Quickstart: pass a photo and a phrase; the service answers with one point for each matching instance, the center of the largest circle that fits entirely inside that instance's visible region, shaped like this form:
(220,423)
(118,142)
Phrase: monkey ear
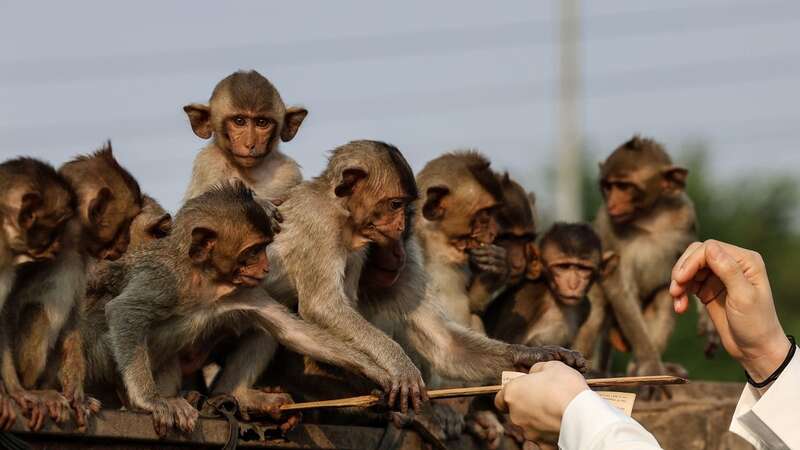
(674,179)
(434,208)
(609,263)
(291,122)
(203,241)
(200,119)
(98,205)
(160,227)
(350,178)
(534,271)
(28,204)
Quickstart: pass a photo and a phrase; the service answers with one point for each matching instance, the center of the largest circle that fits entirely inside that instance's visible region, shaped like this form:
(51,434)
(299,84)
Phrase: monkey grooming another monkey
(42,348)
(461,198)
(503,264)
(648,220)
(192,286)
(35,204)
(246,118)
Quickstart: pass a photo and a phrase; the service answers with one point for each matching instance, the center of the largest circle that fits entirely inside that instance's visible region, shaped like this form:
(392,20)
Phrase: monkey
(246,118)
(461,199)
(648,220)
(503,264)
(153,222)
(187,287)
(42,349)
(35,204)
(363,196)
(551,306)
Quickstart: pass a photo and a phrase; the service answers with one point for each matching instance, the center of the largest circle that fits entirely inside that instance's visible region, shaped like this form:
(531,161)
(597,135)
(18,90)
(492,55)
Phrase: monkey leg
(72,376)
(659,316)
(31,344)
(589,333)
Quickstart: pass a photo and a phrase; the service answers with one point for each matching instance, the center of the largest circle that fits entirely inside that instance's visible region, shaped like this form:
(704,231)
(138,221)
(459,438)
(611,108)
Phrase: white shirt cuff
(589,422)
(769,419)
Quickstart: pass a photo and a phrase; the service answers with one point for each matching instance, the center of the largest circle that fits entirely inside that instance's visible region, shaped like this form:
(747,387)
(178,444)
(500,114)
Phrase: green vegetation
(753,211)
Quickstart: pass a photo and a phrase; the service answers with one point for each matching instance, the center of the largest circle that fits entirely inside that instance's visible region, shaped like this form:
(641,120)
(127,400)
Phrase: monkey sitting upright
(42,349)
(247,118)
(648,220)
(551,307)
(35,203)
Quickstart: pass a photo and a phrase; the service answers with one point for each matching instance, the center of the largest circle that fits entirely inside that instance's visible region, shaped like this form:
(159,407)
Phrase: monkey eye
(239,121)
(262,123)
(396,204)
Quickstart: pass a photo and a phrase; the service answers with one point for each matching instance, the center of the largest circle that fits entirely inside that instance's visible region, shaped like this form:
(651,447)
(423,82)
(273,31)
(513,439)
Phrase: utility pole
(568,186)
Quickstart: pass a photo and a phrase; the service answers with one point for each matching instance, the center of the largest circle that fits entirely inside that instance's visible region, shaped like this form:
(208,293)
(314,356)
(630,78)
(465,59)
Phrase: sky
(425,76)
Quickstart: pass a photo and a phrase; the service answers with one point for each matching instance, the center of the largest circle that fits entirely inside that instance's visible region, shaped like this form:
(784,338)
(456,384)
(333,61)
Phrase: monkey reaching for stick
(42,343)
(246,118)
(35,204)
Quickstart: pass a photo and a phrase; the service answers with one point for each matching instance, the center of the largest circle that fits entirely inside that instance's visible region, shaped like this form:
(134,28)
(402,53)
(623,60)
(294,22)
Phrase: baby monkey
(552,308)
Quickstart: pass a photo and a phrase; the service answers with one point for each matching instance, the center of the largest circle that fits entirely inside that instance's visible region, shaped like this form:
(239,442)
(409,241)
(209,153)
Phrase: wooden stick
(365,401)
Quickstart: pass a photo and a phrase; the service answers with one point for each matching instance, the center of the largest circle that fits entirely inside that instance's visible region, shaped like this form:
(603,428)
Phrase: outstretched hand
(732,282)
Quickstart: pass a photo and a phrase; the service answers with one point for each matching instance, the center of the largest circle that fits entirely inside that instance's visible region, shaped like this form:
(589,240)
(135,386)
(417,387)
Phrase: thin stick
(365,401)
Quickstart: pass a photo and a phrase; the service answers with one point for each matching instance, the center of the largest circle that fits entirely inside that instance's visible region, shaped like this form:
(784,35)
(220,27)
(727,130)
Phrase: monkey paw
(267,402)
(491,259)
(171,413)
(38,405)
(647,368)
(487,427)
(8,415)
(407,387)
(84,407)
(523,357)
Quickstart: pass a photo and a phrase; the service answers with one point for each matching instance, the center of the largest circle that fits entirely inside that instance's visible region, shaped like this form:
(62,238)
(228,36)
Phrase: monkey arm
(623,295)
(306,338)
(485,288)
(131,316)
(589,332)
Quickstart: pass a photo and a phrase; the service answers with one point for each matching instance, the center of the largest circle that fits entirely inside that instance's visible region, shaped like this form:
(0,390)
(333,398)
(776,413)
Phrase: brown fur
(247,94)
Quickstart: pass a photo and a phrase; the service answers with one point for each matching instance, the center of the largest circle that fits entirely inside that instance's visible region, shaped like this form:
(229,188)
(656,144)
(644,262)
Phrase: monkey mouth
(620,217)
(571,299)
(247,280)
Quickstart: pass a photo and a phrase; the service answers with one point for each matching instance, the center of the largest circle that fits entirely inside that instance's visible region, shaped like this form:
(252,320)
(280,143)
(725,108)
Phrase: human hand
(536,402)
(732,282)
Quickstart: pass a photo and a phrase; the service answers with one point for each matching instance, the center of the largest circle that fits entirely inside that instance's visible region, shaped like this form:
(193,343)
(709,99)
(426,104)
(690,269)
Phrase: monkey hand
(8,414)
(523,357)
(82,406)
(492,259)
(38,405)
(173,412)
(647,368)
(275,217)
(405,385)
(487,427)
(440,420)
(267,401)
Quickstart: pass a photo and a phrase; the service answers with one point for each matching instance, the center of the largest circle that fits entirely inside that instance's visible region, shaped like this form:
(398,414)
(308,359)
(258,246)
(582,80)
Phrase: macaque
(246,118)
(503,264)
(648,220)
(192,286)
(153,222)
(552,306)
(35,204)
(458,214)
(42,347)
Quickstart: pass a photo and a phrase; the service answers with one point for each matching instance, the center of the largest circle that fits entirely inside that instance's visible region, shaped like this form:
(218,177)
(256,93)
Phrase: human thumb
(726,268)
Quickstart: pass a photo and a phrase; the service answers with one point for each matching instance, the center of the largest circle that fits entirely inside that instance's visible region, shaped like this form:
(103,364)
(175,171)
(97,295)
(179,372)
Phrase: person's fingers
(538,367)
(500,401)
(681,304)
(726,268)
(693,259)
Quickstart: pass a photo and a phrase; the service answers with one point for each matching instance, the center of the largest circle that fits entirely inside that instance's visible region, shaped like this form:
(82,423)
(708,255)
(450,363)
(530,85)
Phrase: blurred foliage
(753,211)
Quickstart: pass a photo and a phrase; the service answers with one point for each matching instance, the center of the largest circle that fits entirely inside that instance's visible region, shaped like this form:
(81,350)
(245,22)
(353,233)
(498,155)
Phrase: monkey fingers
(8,415)
(487,427)
(528,356)
(83,408)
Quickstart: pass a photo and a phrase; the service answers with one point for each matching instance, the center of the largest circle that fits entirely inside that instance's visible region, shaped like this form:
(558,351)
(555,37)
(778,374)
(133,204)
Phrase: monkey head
(35,205)
(108,199)
(516,227)
(461,198)
(153,222)
(636,176)
(375,185)
(225,233)
(572,260)
(246,116)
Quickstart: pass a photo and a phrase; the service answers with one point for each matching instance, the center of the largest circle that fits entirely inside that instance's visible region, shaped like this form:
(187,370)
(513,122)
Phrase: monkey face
(517,244)
(251,266)
(387,223)
(622,195)
(35,232)
(251,137)
(384,264)
(568,276)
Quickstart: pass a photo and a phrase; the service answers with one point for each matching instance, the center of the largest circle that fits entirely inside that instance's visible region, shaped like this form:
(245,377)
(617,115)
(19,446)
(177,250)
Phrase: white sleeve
(767,418)
(591,423)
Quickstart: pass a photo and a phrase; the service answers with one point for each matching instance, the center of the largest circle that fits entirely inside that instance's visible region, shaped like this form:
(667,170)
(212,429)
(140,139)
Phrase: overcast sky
(425,76)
